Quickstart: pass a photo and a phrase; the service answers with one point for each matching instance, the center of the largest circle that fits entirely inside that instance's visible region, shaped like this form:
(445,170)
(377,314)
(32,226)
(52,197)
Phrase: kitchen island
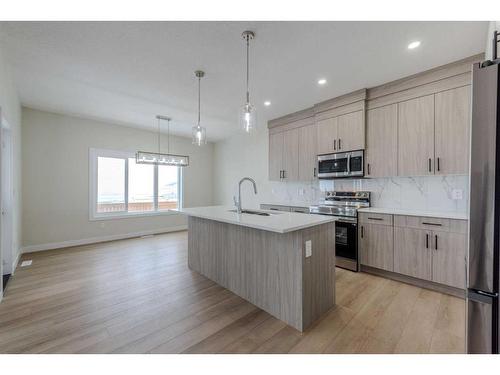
(282,262)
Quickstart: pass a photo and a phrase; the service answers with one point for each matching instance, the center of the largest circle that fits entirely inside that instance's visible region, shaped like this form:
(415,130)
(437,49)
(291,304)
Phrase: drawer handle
(435,224)
(362,232)
(375,218)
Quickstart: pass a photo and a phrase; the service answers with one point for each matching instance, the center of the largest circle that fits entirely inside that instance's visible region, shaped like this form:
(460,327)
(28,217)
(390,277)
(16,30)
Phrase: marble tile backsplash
(433,193)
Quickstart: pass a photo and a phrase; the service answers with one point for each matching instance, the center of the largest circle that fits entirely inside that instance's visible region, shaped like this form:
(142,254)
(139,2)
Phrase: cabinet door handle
(284,173)
(340,144)
(435,224)
(362,231)
(430,165)
(368,168)
(314,172)
(436,239)
(335,144)
(438,165)
(427,240)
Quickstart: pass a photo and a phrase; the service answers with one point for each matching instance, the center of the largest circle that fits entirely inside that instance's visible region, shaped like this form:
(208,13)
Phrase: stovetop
(342,203)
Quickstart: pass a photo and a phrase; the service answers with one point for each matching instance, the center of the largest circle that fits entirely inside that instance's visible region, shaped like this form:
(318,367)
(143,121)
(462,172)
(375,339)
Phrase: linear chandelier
(159,158)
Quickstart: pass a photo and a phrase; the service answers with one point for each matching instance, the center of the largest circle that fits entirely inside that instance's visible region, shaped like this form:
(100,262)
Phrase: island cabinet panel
(416,137)
(275,156)
(381,155)
(268,269)
(308,151)
(452,131)
(351,131)
(412,252)
(327,135)
(449,260)
(376,246)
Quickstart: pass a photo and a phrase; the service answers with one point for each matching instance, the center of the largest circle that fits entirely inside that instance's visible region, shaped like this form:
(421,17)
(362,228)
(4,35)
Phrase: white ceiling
(127,72)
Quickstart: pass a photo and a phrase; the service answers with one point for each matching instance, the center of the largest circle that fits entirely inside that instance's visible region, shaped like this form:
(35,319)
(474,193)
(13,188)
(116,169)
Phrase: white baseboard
(16,261)
(87,241)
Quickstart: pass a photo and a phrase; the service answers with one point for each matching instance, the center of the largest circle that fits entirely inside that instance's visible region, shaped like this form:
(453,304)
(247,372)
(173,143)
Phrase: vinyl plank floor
(139,296)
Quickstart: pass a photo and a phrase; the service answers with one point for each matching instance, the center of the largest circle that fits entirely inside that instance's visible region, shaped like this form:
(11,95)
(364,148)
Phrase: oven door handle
(348,163)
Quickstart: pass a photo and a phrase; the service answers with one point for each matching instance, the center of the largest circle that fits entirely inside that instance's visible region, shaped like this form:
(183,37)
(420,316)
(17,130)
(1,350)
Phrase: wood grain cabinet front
(412,252)
(449,258)
(452,131)
(376,246)
(381,153)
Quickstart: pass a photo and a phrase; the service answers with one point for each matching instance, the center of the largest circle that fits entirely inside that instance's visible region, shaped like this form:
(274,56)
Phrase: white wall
(55,178)
(11,111)
(247,155)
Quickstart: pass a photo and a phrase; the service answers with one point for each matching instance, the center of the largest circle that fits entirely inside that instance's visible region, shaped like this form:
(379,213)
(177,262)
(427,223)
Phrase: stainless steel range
(344,205)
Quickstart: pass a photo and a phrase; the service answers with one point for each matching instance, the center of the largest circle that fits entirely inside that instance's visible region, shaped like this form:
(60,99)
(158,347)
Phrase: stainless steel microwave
(341,165)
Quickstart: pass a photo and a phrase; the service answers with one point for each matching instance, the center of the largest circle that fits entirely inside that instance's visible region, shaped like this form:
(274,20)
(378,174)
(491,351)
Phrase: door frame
(6,221)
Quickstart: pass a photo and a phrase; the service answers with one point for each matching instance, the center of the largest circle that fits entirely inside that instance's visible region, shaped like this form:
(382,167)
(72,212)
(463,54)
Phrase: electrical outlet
(302,192)
(457,194)
(26,263)
(308,248)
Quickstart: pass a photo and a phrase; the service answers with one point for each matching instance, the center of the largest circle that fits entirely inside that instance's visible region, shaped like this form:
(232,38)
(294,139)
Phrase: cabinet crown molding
(341,101)
(292,117)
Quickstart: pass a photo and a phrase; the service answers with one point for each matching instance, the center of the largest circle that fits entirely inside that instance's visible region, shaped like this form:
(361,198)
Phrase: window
(121,188)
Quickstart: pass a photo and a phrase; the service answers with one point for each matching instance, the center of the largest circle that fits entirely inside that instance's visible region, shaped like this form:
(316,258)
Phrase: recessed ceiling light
(321,81)
(414,44)
(267,103)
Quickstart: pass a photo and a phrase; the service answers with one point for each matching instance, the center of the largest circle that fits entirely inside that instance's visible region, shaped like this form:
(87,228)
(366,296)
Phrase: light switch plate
(457,194)
(308,248)
(26,263)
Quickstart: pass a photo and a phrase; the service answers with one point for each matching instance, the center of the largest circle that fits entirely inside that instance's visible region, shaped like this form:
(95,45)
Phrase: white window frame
(95,153)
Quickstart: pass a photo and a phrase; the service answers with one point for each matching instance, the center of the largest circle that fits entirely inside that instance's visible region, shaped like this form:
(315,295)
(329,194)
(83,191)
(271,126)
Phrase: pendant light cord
(199,99)
(248,48)
(159,135)
(168,136)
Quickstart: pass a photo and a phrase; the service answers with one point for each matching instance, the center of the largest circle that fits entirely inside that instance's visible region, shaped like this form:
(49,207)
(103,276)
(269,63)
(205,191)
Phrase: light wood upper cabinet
(381,153)
(376,246)
(416,137)
(452,129)
(351,131)
(291,155)
(284,155)
(449,258)
(327,135)
(275,156)
(412,252)
(308,151)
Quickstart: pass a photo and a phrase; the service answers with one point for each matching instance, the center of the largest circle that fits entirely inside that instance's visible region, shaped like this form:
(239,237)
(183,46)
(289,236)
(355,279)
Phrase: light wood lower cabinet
(376,246)
(412,247)
(412,253)
(449,258)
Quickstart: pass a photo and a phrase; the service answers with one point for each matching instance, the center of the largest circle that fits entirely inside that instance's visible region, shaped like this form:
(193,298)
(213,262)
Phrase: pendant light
(199,132)
(143,157)
(248,115)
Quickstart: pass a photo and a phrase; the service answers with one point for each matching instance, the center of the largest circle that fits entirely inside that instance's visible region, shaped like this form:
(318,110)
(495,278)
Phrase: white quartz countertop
(279,222)
(408,212)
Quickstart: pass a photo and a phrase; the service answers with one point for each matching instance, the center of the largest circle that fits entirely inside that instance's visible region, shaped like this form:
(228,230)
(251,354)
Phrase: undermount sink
(252,212)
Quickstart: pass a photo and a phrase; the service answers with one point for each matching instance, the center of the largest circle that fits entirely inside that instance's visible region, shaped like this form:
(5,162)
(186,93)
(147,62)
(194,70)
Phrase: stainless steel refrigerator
(484,232)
